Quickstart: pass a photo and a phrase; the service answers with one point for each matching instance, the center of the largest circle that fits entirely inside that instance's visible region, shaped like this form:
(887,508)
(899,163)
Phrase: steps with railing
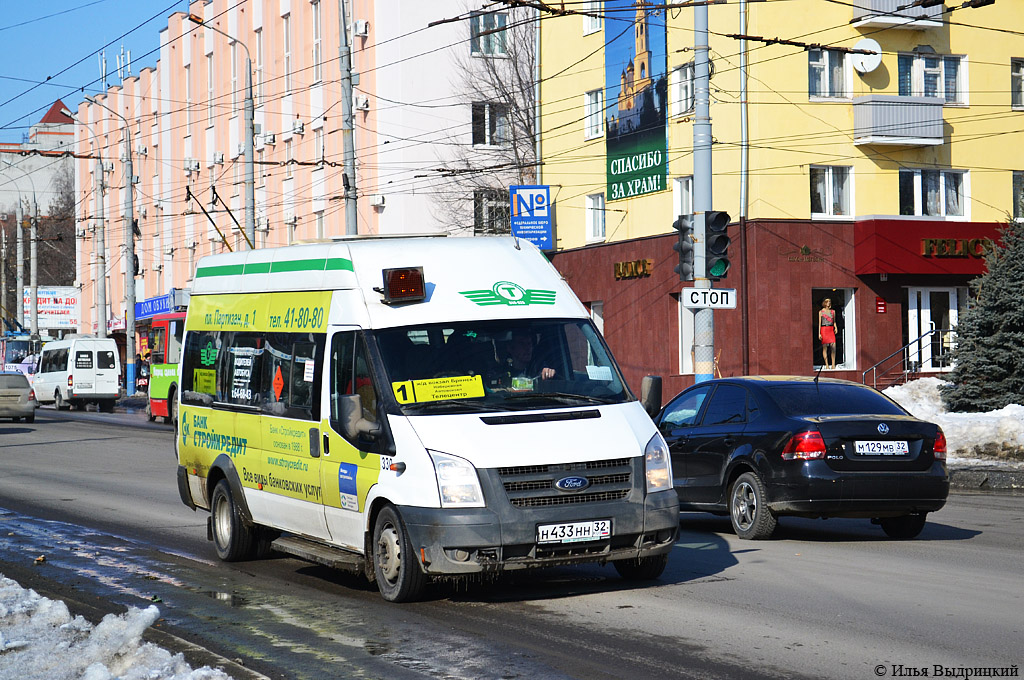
(934,347)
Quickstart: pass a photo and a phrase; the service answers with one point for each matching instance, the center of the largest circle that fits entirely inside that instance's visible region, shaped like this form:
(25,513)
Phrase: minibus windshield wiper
(447,404)
(564,397)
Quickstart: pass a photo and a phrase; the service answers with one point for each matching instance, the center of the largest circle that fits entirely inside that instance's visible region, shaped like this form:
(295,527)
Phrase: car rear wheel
(233,540)
(398,574)
(643,568)
(752,519)
(31,418)
(905,526)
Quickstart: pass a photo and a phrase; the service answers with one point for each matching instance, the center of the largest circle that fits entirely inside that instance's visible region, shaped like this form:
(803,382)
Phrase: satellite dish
(866,63)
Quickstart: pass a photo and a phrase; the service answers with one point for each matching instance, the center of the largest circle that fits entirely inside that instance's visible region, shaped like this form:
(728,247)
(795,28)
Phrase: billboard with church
(636,91)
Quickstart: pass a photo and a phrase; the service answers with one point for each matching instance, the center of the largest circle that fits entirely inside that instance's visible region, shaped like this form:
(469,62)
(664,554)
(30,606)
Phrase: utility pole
(347,124)
(129,251)
(33,277)
(704,319)
(101,298)
(20,276)
(3,271)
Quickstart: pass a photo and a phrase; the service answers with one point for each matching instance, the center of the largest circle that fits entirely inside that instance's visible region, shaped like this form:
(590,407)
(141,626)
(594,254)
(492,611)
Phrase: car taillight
(804,446)
(939,447)
(31,395)
(71,382)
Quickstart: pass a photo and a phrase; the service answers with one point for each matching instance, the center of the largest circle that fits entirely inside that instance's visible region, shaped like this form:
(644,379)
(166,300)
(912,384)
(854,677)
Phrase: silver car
(17,398)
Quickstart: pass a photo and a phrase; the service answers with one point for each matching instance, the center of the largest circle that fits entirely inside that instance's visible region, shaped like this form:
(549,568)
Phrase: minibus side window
(238,369)
(290,375)
(350,374)
(198,373)
(62,359)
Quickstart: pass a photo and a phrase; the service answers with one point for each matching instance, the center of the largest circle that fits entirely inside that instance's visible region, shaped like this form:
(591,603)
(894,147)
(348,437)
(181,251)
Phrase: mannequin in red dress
(827,333)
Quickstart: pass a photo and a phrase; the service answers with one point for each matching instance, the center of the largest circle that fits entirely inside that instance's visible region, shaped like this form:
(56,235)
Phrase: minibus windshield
(499,365)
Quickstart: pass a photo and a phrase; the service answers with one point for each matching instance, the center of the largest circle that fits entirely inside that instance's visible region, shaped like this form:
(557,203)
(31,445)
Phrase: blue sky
(42,42)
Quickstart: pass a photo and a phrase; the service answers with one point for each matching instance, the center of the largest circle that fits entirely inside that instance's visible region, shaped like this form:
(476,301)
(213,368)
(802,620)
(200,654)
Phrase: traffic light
(684,246)
(716,227)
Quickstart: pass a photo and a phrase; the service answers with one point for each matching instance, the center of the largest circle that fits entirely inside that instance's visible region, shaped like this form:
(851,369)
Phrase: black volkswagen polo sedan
(762,447)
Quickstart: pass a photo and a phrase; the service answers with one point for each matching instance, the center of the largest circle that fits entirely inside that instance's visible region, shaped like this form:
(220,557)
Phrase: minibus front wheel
(399,577)
(232,538)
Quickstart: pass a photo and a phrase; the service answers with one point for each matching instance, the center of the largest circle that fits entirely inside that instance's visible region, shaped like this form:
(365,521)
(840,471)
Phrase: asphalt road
(95,495)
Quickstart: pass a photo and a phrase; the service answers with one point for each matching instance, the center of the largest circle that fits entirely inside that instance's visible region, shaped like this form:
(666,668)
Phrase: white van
(77,371)
(414,407)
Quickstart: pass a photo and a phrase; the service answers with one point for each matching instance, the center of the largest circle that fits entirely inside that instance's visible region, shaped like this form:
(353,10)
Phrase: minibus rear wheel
(232,538)
(399,577)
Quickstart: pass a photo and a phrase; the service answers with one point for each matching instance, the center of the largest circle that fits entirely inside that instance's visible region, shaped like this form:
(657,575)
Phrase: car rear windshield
(829,399)
(13,382)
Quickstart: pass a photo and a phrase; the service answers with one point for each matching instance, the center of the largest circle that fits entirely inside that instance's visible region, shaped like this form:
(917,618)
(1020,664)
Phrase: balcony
(884,14)
(895,120)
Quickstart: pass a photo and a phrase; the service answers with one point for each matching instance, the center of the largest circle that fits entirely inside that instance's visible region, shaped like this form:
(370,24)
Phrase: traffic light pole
(704,319)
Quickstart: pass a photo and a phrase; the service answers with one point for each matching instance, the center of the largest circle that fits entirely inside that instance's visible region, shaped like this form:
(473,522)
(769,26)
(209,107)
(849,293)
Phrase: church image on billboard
(636,87)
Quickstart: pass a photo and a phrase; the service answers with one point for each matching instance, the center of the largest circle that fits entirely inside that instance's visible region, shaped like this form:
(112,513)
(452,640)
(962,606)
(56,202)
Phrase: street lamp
(129,247)
(33,266)
(250,183)
(101,238)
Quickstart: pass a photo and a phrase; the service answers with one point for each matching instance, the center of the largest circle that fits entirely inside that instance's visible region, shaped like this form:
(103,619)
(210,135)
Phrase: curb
(987,479)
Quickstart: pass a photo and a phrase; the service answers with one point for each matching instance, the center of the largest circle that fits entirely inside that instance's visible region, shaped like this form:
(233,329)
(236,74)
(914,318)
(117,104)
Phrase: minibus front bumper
(492,539)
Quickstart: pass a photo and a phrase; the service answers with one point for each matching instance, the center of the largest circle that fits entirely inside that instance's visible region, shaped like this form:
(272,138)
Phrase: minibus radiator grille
(532,486)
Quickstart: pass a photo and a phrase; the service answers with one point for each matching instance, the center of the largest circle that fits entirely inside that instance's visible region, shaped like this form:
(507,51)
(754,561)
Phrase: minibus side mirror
(650,394)
(352,421)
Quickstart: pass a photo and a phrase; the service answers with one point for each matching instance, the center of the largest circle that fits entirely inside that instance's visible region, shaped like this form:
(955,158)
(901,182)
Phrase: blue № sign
(153,306)
(530,214)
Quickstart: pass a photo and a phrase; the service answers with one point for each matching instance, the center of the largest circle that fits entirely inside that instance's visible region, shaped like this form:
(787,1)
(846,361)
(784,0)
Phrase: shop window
(843,325)
(687,350)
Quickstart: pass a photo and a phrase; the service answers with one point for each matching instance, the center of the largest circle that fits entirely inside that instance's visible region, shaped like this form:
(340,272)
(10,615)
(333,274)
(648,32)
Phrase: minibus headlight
(457,482)
(657,465)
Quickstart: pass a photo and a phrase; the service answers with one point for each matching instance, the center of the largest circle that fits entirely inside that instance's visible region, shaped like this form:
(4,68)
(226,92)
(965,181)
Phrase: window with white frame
(319,223)
(318,143)
(487,34)
(286,28)
(317,49)
(490,212)
(591,10)
(597,314)
(289,156)
(687,348)
(594,110)
(1018,195)
(682,195)
(830,190)
(682,82)
(1017,83)
(940,193)
(490,124)
(595,217)
(827,74)
(932,75)
(260,171)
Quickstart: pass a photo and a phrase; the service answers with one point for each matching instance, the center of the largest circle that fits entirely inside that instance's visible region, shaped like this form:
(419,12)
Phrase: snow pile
(970,437)
(40,639)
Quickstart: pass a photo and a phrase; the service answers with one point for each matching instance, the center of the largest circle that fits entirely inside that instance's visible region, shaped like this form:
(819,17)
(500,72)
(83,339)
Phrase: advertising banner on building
(636,91)
(57,306)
